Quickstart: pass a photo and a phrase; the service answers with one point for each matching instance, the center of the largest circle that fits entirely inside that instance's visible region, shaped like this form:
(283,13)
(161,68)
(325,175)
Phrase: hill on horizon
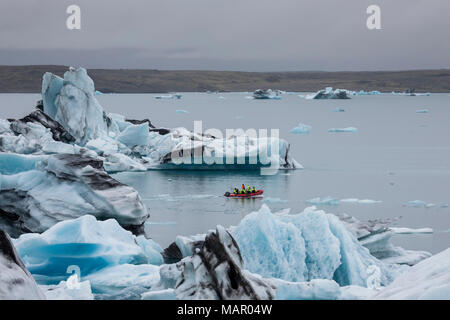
(28,79)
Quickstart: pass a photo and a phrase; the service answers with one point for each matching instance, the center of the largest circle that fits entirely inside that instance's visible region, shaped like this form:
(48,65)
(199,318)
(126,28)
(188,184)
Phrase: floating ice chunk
(72,289)
(323,201)
(400,230)
(301,128)
(85,242)
(169,96)
(329,93)
(181,111)
(98,93)
(338,109)
(135,135)
(427,280)
(274,200)
(420,204)
(268,94)
(422,111)
(360,201)
(309,245)
(347,129)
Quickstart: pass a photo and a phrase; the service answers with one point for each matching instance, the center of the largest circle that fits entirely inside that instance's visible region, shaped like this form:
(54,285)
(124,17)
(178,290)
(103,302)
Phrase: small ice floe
(222,97)
(301,96)
(422,111)
(97,93)
(444,205)
(301,128)
(169,96)
(239,117)
(401,230)
(360,201)
(420,204)
(329,201)
(274,200)
(181,111)
(338,109)
(348,129)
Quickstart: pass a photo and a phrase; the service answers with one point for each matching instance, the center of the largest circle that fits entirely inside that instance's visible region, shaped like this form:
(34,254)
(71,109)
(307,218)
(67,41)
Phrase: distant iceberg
(329,93)
(347,129)
(301,128)
(266,94)
(170,96)
(422,111)
(338,109)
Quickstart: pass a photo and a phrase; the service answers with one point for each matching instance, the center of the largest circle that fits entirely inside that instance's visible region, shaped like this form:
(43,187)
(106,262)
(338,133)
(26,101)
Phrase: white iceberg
(267,94)
(347,129)
(301,128)
(403,230)
(422,111)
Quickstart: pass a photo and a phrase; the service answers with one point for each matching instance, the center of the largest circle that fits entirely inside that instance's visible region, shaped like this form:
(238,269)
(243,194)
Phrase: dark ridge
(29,79)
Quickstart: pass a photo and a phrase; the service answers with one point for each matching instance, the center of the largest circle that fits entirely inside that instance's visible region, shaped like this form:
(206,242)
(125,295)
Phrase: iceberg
(329,201)
(301,128)
(170,96)
(329,93)
(181,111)
(427,280)
(309,245)
(402,230)
(347,129)
(422,111)
(40,191)
(338,109)
(420,204)
(267,94)
(77,110)
(16,283)
(89,244)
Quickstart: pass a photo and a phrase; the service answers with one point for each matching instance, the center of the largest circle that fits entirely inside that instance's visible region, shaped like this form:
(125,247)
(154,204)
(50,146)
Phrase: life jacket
(249,190)
(235,191)
(242,191)
(254,190)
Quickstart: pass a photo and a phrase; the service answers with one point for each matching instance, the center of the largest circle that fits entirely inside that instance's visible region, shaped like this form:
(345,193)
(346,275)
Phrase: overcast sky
(249,35)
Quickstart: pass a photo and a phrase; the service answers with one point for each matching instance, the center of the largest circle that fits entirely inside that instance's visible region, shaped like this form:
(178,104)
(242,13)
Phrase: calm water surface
(396,156)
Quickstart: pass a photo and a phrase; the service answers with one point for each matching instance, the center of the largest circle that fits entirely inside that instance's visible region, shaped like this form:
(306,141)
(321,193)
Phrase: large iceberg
(119,141)
(305,246)
(88,245)
(15,280)
(39,191)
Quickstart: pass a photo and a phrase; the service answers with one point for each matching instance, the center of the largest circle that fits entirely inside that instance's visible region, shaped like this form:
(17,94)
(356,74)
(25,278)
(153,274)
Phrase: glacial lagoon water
(396,156)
